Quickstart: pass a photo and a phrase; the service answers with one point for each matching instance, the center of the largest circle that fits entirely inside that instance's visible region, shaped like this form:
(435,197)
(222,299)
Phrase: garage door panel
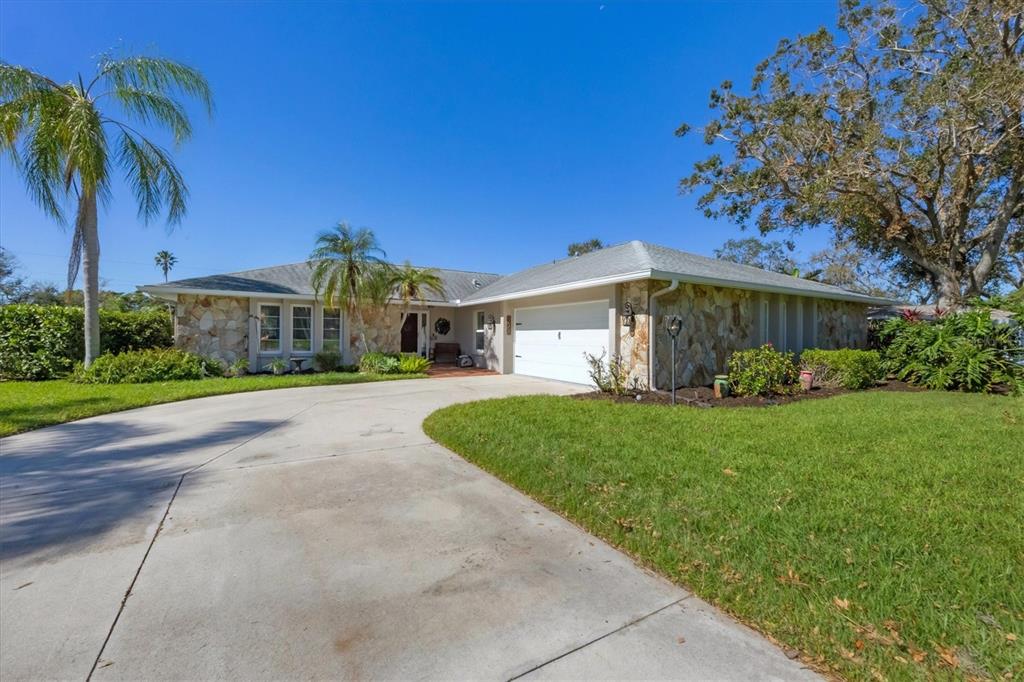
(550,342)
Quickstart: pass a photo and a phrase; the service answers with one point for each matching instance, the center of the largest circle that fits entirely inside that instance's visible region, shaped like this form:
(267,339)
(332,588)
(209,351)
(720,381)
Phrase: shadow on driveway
(63,487)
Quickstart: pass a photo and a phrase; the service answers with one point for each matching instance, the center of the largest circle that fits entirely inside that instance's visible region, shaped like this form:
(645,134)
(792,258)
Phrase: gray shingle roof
(293,280)
(650,260)
(632,260)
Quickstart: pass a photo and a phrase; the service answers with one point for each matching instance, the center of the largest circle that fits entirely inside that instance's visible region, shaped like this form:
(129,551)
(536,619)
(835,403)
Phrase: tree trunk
(90,274)
(948,288)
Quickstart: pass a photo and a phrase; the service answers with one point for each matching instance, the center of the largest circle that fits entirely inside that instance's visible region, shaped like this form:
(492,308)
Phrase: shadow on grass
(63,488)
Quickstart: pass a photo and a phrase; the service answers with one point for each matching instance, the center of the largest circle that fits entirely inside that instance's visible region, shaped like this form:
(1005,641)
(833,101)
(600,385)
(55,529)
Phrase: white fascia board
(158,291)
(558,288)
(263,295)
(733,284)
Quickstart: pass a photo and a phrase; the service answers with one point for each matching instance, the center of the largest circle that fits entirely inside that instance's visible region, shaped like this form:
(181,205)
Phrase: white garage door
(550,341)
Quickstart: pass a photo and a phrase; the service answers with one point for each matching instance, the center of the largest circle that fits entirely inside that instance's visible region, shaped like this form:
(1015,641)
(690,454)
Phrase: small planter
(721,386)
(806,380)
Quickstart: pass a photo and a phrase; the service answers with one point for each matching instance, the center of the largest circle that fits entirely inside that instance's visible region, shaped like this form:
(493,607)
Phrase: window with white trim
(302,328)
(479,335)
(332,330)
(270,328)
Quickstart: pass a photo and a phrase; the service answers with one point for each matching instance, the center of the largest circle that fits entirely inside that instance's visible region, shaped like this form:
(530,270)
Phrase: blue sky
(473,136)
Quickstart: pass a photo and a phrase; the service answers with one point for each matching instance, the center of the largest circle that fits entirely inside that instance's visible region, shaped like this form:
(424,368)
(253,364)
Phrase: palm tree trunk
(90,274)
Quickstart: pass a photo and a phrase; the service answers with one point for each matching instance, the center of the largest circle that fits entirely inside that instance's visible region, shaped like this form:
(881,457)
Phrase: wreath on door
(442,326)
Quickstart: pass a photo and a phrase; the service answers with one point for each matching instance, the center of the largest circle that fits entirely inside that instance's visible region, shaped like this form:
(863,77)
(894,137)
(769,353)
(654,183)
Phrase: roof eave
(156,290)
(159,290)
(772,289)
(558,288)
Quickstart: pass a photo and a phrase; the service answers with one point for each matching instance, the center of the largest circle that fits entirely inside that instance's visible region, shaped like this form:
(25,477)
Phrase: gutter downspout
(652,375)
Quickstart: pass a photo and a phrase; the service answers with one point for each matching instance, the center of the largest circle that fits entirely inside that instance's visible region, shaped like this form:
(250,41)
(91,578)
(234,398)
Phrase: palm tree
(65,150)
(348,271)
(412,284)
(165,260)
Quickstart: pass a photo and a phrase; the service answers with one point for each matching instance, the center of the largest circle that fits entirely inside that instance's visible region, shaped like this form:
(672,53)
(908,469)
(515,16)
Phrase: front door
(410,329)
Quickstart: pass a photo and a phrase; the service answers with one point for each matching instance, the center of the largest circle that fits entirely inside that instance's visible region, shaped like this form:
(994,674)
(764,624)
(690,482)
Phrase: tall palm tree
(412,284)
(165,260)
(66,150)
(347,269)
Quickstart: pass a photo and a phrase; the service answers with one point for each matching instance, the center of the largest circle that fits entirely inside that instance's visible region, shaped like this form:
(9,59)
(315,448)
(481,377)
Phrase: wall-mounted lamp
(629,317)
(673,325)
(490,322)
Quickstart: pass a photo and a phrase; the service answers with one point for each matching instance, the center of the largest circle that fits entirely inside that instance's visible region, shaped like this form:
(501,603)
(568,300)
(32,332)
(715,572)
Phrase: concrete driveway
(318,533)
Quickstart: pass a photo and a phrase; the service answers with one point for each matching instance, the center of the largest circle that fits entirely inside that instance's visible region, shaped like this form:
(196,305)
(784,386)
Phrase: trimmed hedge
(146,366)
(761,371)
(844,368)
(43,342)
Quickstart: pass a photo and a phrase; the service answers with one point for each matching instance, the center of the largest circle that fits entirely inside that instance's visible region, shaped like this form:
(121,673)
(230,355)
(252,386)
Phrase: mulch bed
(704,397)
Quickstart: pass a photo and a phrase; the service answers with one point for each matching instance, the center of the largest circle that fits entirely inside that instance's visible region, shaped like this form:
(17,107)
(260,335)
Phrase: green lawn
(879,533)
(26,405)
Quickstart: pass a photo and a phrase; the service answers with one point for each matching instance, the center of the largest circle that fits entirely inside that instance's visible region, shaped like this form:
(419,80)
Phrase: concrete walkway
(318,533)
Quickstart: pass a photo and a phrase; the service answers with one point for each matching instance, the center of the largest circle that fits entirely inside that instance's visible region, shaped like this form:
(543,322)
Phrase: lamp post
(673,325)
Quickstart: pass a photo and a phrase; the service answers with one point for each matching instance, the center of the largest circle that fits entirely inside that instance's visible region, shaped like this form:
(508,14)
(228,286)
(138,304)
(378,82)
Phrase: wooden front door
(410,330)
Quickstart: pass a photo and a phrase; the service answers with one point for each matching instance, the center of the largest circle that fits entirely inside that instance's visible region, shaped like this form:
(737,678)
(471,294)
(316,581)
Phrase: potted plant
(278,366)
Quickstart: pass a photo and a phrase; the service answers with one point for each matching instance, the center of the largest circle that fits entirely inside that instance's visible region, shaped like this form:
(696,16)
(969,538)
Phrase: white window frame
(292,328)
(480,327)
(324,313)
(259,328)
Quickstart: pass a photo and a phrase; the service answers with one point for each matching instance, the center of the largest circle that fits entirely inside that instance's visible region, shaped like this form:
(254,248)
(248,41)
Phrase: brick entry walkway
(444,371)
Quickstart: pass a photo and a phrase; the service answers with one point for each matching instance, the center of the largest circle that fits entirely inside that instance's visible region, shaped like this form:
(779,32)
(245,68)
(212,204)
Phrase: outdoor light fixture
(673,325)
(490,321)
(629,316)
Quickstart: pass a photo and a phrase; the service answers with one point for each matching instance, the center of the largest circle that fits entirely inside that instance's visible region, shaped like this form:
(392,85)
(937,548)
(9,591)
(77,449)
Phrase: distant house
(929,311)
(537,322)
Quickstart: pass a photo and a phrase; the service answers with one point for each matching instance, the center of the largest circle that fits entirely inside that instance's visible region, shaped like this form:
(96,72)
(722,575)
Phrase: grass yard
(26,405)
(880,533)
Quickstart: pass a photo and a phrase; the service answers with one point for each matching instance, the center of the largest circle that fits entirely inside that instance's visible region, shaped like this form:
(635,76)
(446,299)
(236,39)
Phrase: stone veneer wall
(842,324)
(716,322)
(214,326)
(381,329)
(634,344)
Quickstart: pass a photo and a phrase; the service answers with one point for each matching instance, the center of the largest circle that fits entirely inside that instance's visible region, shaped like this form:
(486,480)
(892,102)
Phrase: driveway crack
(160,527)
(128,593)
(599,638)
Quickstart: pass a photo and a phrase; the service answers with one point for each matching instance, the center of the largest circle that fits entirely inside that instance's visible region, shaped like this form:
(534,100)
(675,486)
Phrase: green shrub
(410,363)
(845,368)
(146,366)
(239,367)
(42,342)
(327,361)
(609,377)
(761,371)
(379,363)
(961,351)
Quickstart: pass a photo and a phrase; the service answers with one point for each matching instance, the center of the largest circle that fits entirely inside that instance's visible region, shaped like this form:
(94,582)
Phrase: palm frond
(148,106)
(17,82)
(152,177)
(155,75)
(75,257)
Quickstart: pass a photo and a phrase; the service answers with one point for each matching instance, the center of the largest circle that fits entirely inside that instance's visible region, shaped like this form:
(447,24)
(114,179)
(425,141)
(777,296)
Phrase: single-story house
(537,322)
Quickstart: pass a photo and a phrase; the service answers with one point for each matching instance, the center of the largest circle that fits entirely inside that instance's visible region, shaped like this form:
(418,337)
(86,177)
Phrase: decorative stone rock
(214,326)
